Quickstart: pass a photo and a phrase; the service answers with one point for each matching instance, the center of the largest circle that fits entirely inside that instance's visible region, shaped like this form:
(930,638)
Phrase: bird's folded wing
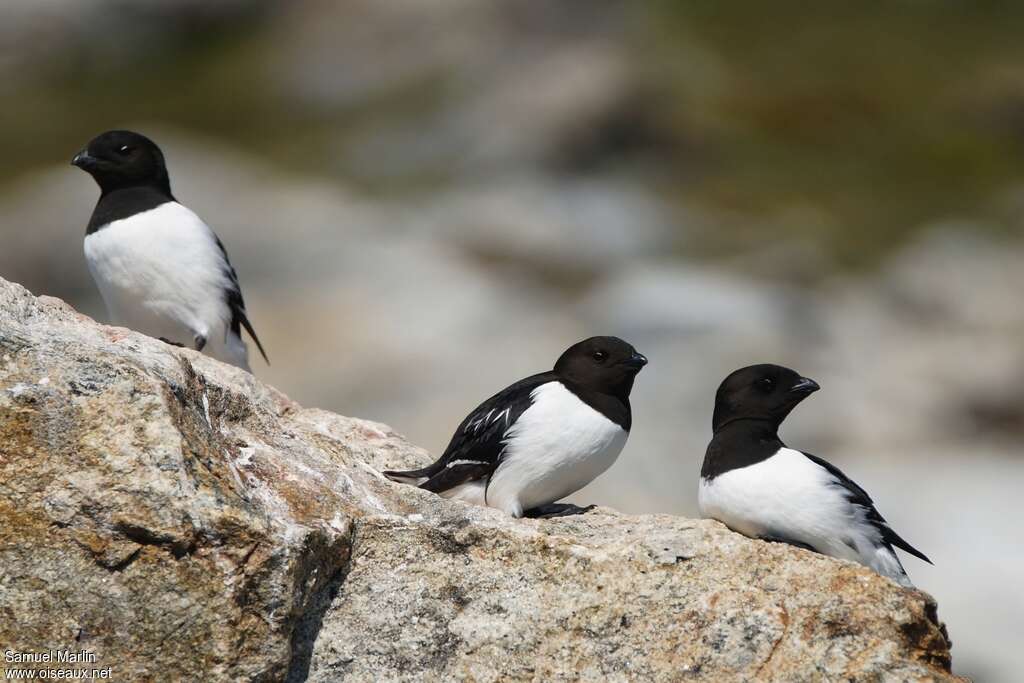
(233,295)
(476,448)
(858,496)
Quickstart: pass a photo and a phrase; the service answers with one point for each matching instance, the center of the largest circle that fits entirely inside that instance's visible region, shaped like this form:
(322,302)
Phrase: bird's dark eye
(125,150)
(766,384)
(600,356)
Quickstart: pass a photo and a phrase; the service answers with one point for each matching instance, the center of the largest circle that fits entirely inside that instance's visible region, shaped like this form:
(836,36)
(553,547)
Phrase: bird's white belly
(159,272)
(788,496)
(556,447)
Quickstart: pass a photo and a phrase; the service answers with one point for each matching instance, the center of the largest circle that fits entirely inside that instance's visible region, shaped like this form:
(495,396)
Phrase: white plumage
(161,272)
(790,496)
(472,492)
(556,447)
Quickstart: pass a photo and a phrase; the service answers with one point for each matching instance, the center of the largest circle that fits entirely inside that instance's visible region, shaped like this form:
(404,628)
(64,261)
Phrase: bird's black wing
(858,496)
(476,448)
(233,296)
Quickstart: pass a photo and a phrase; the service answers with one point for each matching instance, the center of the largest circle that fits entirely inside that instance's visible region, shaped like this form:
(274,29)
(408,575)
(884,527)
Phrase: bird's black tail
(244,321)
(412,477)
(892,538)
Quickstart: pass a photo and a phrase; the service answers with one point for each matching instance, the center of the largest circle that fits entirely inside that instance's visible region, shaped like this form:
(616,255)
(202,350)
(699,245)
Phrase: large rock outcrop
(183,521)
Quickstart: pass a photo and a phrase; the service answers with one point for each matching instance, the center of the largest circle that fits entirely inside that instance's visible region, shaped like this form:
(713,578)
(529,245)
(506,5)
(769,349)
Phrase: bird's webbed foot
(787,541)
(165,340)
(200,342)
(556,510)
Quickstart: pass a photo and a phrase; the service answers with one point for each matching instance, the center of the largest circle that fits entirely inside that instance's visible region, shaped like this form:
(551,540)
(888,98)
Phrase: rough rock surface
(183,521)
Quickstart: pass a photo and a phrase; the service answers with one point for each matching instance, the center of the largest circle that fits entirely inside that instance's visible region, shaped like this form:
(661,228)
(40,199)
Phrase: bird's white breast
(161,272)
(557,446)
(791,496)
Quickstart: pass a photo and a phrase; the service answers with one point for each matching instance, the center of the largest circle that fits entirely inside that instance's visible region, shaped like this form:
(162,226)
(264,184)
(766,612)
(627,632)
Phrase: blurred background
(428,201)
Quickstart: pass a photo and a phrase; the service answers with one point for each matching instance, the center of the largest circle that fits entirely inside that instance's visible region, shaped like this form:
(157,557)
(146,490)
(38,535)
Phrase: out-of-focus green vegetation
(856,123)
(850,125)
(213,80)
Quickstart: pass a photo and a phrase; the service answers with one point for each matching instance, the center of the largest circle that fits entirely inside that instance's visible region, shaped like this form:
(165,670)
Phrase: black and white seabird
(543,437)
(160,269)
(757,486)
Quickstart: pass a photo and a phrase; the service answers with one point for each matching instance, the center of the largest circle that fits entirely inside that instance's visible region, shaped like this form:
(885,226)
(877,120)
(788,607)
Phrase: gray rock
(569,231)
(184,521)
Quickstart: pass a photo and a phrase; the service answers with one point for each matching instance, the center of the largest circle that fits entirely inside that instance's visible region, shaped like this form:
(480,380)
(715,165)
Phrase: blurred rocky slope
(428,201)
(418,309)
(843,126)
(183,521)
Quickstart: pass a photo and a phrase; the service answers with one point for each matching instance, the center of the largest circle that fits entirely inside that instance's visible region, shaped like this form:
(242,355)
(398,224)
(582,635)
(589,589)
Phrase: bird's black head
(121,158)
(760,392)
(604,364)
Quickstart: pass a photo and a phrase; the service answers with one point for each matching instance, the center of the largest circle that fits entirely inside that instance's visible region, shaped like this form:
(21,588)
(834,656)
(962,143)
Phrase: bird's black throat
(125,202)
(740,442)
(615,406)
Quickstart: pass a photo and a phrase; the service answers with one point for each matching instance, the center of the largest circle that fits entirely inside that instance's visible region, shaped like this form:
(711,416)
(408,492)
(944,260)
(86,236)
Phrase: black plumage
(475,449)
(858,496)
(598,372)
(753,482)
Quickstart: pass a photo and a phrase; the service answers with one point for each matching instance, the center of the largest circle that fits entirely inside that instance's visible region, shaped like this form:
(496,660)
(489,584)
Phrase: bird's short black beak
(804,387)
(637,360)
(85,161)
